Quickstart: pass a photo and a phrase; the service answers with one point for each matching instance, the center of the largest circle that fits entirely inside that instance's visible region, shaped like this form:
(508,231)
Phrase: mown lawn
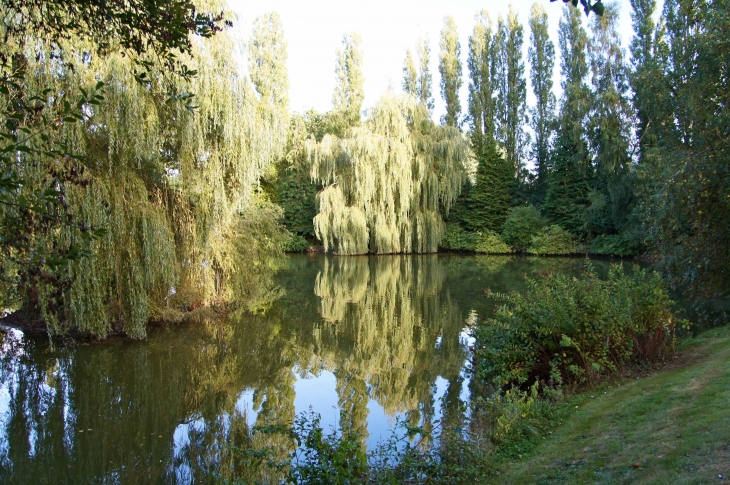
(670,427)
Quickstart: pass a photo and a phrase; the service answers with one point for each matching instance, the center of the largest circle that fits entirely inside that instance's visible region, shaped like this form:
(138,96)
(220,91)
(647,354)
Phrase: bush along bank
(567,330)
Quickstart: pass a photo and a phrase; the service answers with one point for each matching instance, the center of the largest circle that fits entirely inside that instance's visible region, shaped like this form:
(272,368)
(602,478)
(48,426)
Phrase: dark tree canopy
(588,6)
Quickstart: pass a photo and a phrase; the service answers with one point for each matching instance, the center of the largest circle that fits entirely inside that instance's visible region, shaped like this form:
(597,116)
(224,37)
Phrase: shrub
(521,225)
(457,238)
(295,244)
(489,242)
(554,240)
(616,245)
(566,329)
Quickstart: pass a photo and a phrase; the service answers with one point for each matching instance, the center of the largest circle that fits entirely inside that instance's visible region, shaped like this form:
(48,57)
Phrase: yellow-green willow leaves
(174,188)
(386,181)
(391,320)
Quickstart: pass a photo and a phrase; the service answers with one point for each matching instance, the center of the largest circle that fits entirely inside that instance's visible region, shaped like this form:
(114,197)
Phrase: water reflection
(379,337)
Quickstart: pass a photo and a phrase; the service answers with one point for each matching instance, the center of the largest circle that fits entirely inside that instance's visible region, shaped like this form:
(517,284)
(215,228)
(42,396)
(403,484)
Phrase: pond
(381,337)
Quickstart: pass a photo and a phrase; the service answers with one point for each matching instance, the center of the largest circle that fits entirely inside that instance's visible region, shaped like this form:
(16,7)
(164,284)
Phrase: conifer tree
(568,181)
(541,55)
(349,90)
(491,196)
(450,70)
(511,107)
(567,191)
(485,204)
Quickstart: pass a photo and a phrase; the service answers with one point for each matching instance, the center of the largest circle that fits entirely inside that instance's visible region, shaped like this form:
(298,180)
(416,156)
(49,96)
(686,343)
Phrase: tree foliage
(482,66)
(541,55)
(349,91)
(610,125)
(168,187)
(450,70)
(385,181)
(689,201)
(417,80)
(566,199)
(491,196)
(511,91)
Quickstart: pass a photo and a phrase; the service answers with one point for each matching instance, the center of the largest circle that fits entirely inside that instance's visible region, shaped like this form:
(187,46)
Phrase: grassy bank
(670,426)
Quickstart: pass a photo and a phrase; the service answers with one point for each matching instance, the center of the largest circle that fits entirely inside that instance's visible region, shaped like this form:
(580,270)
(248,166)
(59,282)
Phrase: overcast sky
(314,29)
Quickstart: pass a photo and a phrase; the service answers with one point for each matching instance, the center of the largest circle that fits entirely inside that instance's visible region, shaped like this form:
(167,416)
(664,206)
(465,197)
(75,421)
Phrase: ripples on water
(381,337)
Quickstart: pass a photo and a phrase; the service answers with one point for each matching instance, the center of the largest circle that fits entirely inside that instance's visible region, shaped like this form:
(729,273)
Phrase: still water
(381,337)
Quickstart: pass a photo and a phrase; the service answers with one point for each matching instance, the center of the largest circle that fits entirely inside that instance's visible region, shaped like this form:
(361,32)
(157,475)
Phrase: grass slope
(672,427)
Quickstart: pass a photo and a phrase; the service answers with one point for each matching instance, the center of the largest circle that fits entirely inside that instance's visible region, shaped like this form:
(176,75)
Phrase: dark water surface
(382,337)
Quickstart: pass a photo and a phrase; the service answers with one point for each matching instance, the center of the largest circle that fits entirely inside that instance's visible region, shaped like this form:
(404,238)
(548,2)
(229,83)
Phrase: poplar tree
(450,70)
(649,54)
(689,206)
(410,76)
(267,60)
(424,85)
(511,105)
(488,201)
(417,81)
(609,127)
(349,91)
(481,65)
(566,199)
(541,55)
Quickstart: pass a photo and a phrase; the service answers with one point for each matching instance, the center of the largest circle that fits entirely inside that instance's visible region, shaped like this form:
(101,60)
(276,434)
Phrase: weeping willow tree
(173,186)
(386,181)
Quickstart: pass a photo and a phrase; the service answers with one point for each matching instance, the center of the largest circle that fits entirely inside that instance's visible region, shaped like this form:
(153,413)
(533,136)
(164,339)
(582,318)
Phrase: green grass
(669,427)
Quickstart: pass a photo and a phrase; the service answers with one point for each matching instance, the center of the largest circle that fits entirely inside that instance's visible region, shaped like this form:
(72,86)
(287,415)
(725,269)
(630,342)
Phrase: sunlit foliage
(386,181)
(167,182)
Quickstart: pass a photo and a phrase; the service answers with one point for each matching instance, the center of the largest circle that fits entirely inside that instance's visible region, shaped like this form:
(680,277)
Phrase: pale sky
(314,29)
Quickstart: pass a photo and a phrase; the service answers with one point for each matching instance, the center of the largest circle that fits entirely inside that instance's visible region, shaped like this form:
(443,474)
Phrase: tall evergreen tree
(450,70)
(541,55)
(566,199)
(349,91)
(491,196)
(511,106)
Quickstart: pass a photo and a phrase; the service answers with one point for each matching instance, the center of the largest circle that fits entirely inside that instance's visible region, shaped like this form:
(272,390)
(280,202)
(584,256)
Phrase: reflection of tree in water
(392,327)
(161,411)
(386,326)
